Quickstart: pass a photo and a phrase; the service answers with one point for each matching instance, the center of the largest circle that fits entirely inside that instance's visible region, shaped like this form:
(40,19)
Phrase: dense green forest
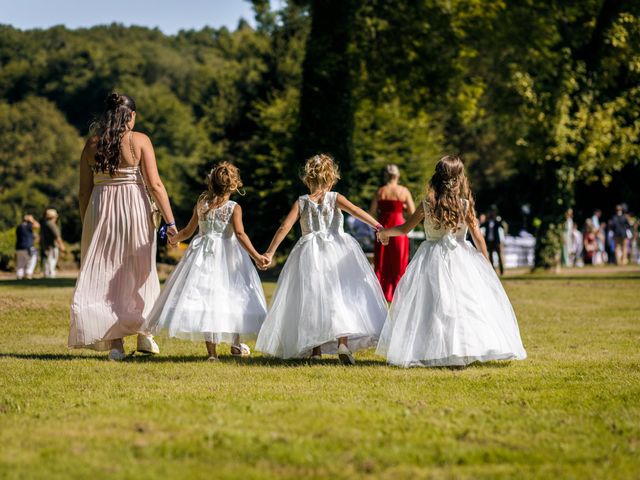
(541,99)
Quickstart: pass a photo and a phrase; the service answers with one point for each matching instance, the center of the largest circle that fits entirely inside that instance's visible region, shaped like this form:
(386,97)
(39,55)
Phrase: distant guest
(494,230)
(567,238)
(26,254)
(621,235)
(590,243)
(391,201)
(595,219)
(50,244)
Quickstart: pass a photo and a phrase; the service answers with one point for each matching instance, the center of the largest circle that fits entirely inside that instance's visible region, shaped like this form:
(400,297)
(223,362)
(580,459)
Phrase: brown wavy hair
(109,130)
(445,193)
(223,179)
(320,171)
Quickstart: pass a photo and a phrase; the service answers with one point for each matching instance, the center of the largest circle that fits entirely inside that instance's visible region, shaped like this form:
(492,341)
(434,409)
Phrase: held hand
(383,237)
(173,240)
(268,259)
(171,231)
(262,262)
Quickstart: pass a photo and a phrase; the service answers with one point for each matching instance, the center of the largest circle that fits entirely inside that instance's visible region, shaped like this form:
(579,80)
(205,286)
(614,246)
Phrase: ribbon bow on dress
(449,241)
(325,235)
(208,240)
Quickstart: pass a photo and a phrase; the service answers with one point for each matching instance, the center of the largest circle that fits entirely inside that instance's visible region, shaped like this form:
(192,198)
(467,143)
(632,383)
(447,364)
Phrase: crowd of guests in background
(45,233)
(600,242)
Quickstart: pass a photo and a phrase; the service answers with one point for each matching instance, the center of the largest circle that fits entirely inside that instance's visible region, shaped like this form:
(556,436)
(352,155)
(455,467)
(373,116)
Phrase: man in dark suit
(494,229)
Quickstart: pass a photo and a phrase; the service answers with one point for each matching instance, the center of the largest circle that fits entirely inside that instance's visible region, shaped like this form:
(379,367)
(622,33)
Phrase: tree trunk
(326,104)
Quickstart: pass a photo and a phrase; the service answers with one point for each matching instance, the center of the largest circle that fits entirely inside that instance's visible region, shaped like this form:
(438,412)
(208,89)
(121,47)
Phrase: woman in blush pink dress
(118,283)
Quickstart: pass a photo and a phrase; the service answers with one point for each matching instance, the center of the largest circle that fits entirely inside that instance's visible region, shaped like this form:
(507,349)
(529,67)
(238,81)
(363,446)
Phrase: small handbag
(156,215)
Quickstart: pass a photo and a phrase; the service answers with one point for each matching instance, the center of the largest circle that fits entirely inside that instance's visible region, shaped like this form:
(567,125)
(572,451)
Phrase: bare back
(393,192)
(130,150)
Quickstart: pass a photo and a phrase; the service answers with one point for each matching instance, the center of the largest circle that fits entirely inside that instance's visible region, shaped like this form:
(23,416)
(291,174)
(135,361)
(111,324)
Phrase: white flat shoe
(345,355)
(146,344)
(213,359)
(116,355)
(241,350)
(315,358)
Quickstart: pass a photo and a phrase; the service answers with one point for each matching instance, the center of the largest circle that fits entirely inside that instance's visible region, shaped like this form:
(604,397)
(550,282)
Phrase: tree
(39,154)
(326,99)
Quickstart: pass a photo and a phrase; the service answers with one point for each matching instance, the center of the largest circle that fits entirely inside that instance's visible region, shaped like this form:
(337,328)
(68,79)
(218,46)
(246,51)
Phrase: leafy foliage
(39,154)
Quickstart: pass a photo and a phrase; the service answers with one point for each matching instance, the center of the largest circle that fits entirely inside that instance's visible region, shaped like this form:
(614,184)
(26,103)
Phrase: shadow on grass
(224,359)
(49,356)
(230,360)
(252,361)
(40,282)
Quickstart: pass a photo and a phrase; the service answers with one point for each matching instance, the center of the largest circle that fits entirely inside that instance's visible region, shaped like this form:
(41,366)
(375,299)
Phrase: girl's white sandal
(241,350)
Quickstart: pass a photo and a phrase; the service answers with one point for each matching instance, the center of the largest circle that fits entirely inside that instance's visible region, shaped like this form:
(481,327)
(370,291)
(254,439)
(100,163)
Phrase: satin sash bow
(449,241)
(208,241)
(325,235)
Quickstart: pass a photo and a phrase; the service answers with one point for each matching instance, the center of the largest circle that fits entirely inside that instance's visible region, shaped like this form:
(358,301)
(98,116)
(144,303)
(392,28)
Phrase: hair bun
(114,100)
(392,169)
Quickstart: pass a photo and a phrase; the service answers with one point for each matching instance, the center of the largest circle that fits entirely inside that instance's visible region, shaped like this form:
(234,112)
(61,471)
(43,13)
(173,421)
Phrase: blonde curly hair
(223,179)
(320,171)
(445,193)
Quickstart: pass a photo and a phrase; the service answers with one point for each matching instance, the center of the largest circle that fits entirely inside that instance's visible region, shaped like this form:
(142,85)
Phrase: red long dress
(391,260)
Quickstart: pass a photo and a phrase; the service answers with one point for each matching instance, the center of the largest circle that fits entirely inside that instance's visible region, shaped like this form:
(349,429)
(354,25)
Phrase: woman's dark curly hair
(109,130)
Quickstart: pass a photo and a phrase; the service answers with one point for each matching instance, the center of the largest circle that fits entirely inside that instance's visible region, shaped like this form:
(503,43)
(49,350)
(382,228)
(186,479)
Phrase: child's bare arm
(285,228)
(476,234)
(187,231)
(241,235)
(406,227)
(344,204)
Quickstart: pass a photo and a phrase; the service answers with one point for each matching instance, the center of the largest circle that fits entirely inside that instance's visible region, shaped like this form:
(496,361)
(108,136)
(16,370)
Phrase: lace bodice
(320,217)
(434,234)
(216,222)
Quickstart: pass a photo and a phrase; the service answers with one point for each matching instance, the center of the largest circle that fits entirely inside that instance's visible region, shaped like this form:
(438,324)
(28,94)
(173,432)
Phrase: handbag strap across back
(154,206)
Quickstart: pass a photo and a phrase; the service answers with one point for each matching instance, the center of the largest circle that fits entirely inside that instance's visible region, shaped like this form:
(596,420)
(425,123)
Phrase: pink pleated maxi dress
(118,282)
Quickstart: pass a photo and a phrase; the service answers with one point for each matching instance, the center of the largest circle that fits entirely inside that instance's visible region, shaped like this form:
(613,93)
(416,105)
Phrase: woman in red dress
(391,260)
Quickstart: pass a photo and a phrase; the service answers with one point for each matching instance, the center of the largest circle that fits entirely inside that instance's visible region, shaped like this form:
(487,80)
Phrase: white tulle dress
(214,293)
(449,308)
(326,290)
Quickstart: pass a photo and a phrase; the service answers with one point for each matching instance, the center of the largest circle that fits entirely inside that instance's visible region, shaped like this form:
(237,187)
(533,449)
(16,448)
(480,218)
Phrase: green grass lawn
(571,410)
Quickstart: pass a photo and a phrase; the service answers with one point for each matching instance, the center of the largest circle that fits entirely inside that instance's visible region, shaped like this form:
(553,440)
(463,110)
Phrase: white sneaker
(345,355)
(116,355)
(146,344)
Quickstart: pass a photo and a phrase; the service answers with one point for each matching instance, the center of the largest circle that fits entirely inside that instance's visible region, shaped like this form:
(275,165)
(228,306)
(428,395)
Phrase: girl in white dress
(449,308)
(328,299)
(214,292)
